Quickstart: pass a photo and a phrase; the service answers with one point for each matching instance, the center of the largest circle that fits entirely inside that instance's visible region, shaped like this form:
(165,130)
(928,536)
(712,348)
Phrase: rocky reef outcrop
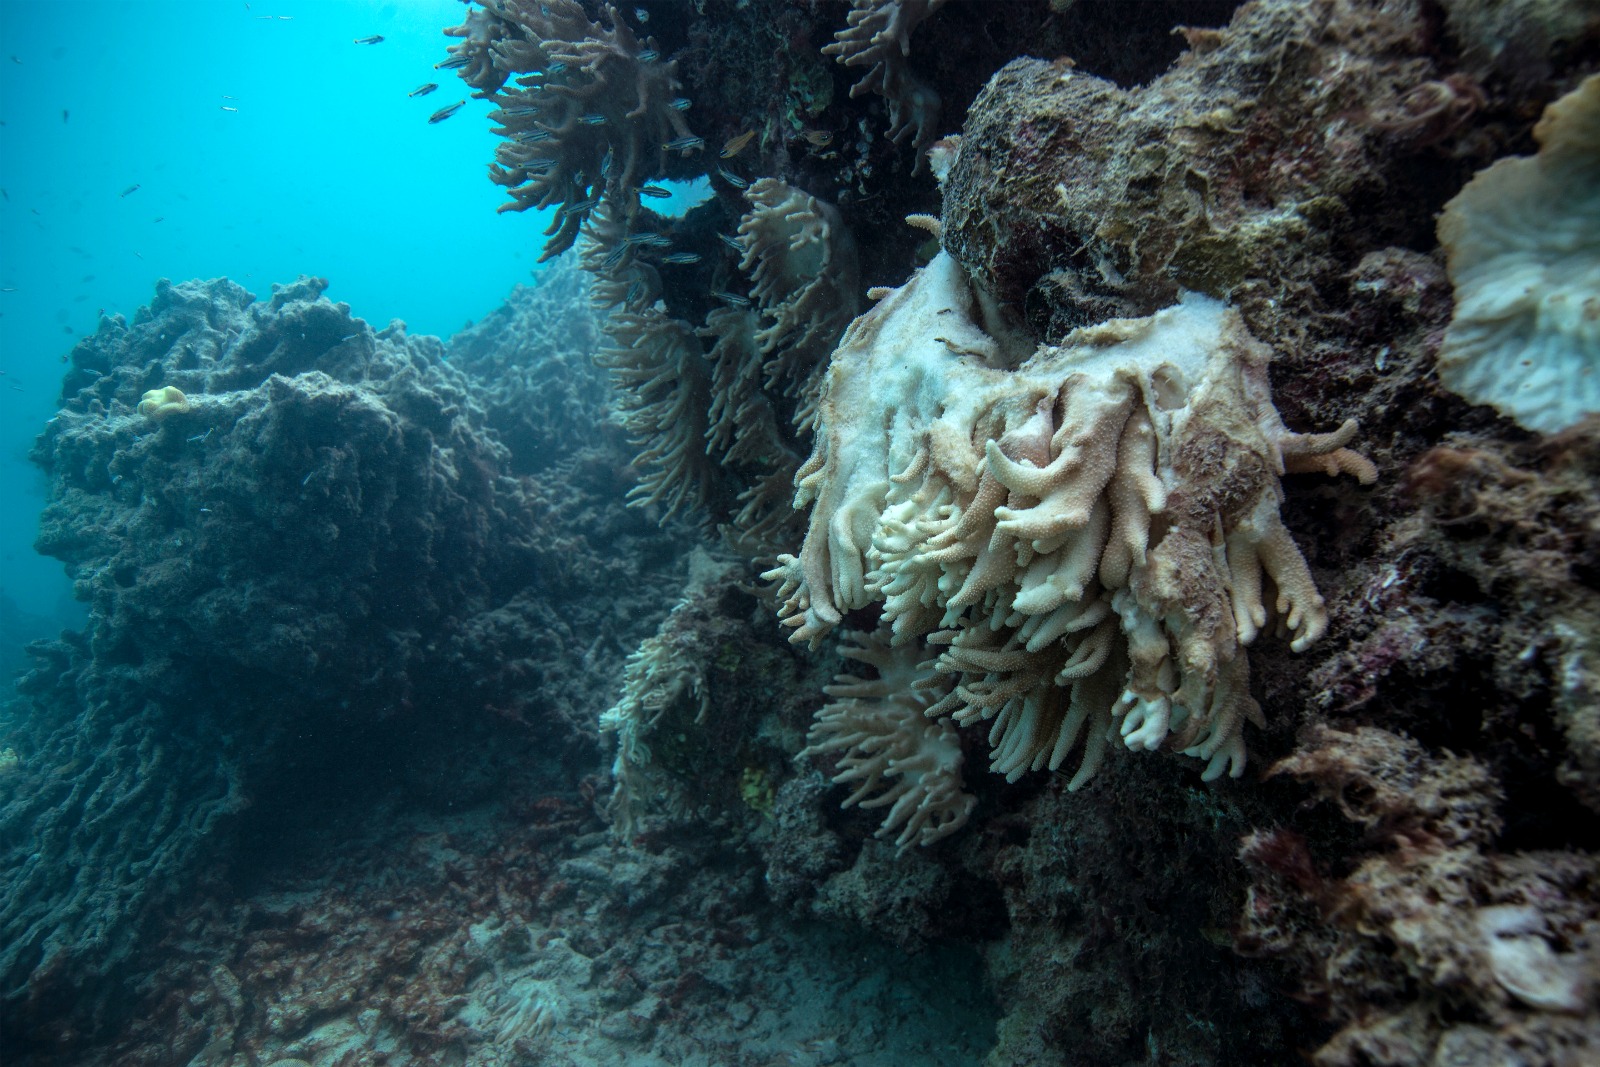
(312,567)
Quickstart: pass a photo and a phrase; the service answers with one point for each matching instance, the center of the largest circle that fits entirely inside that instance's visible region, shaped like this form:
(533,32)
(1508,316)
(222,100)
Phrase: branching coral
(591,115)
(878,37)
(893,755)
(1094,533)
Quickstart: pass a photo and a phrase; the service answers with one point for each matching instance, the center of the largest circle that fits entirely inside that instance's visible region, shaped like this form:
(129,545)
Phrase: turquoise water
(326,167)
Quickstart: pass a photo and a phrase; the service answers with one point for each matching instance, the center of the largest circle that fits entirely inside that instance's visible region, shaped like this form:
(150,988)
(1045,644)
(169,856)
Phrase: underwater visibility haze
(800,532)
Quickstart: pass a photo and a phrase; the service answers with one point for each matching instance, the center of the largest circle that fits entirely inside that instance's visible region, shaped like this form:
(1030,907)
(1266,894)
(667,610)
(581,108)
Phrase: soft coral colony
(1074,542)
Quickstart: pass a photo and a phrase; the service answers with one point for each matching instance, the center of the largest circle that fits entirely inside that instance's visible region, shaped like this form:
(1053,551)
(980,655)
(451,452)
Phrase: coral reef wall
(1037,479)
(978,491)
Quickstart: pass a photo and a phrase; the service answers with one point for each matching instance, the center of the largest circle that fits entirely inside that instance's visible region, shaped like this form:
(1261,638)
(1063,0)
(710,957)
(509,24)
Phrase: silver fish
(655,191)
(556,68)
(682,103)
(684,144)
(424,90)
(580,205)
(681,258)
(732,298)
(732,242)
(453,62)
(445,112)
(733,179)
(376,38)
(593,120)
(533,136)
(649,55)
(614,257)
(641,14)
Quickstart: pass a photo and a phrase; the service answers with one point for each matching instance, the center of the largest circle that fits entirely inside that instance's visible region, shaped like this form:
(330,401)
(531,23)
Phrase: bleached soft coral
(1092,531)
(893,755)
(1523,239)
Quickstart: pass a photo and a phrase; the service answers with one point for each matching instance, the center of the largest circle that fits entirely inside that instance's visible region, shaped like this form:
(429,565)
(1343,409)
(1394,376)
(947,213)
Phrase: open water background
(327,167)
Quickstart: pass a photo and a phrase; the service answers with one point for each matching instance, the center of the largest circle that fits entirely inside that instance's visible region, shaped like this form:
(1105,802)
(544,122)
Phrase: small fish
(225,107)
(654,191)
(424,90)
(593,120)
(732,298)
(635,291)
(736,145)
(614,257)
(605,164)
(225,96)
(532,136)
(640,239)
(557,67)
(453,62)
(682,103)
(64,114)
(9,289)
(655,240)
(684,144)
(681,258)
(130,189)
(641,14)
(160,218)
(520,109)
(649,55)
(732,242)
(820,138)
(733,179)
(445,112)
(580,205)
(376,38)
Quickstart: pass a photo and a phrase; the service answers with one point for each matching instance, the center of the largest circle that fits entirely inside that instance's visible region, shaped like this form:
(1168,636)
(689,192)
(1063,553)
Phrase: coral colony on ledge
(732,651)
